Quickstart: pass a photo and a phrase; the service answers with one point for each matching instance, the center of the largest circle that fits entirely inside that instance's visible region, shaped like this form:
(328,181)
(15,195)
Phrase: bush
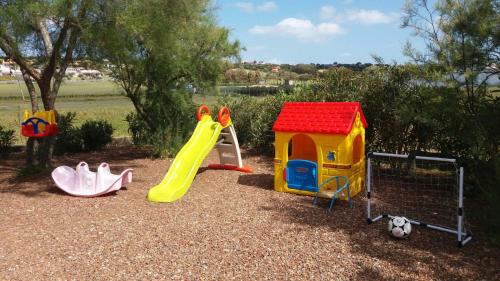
(167,121)
(92,135)
(244,111)
(96,134)
(6,140)
(254,118)
(69,139)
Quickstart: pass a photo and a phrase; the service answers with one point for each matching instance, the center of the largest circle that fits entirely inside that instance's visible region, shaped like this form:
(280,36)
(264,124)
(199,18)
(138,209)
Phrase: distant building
(275,69)
(4,69)
(90,73)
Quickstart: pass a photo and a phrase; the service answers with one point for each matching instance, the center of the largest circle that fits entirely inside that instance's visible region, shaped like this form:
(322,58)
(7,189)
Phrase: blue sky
(301,31)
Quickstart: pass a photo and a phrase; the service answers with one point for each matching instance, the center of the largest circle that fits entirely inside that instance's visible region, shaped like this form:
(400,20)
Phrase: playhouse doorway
(302,147)
(302,165)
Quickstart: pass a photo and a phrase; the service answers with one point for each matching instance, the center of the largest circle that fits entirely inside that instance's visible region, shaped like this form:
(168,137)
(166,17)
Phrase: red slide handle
(223,116)
(202,110)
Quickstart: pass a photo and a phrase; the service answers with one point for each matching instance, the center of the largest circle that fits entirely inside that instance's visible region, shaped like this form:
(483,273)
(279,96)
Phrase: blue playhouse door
(302,175)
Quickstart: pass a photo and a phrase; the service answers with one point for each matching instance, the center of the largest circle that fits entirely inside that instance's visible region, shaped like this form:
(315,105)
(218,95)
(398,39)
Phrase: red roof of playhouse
(319,117)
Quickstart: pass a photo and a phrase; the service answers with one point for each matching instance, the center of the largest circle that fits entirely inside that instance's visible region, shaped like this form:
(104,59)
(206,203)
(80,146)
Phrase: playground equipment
(208,134)
(315,141)
(84,183)
(333,193)
(40,124)
(427,190)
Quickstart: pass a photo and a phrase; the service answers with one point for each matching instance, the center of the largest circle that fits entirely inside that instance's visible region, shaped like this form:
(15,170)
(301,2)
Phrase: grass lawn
(89,99)
(68,89)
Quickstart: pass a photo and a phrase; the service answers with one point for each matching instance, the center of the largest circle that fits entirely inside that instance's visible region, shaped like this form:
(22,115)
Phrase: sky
(317,31)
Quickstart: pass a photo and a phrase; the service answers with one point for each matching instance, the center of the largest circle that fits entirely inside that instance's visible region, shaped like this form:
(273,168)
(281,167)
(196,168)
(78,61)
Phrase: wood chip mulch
(229,226)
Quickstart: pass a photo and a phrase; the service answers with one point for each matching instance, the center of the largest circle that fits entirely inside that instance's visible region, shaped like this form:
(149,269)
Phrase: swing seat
(29,131)
(40,124)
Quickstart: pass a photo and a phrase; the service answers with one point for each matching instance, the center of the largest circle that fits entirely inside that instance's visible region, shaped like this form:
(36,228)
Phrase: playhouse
(317,140)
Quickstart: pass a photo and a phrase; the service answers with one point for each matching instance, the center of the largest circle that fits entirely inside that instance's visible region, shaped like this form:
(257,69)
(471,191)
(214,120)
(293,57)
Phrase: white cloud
(345,55)
(250,7)
(327,12)
(369,16)
(245,6)
(301,29)
(362,16)
(267,6)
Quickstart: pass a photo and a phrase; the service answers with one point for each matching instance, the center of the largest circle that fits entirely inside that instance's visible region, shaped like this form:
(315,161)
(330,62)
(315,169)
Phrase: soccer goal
(426,190)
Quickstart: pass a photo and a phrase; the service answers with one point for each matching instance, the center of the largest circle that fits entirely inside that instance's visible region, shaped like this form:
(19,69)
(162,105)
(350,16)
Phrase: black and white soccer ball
(399,227)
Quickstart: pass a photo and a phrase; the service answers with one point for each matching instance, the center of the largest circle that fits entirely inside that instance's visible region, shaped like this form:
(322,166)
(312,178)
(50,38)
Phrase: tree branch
(44,33)
(31,90)
(10,49)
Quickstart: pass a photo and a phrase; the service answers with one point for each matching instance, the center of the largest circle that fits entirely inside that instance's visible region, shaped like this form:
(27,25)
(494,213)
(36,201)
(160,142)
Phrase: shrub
(244,111)
(69,139)
(95,134)
(136,127)
(92,135)
(167,121)
(6,140)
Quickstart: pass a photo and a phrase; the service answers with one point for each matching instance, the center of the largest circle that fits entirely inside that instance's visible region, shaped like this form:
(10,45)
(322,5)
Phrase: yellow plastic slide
(188,160)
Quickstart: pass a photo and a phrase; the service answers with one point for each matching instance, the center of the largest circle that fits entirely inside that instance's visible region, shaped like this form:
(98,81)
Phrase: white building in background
(72,71)
(90,73)
(5,69)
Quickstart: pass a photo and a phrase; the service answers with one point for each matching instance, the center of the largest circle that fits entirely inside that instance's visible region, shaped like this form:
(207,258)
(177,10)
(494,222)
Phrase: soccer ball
(399,227)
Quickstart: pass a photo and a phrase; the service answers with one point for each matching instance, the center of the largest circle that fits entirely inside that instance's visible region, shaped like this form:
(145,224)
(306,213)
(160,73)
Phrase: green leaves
(462,42)
(158,47)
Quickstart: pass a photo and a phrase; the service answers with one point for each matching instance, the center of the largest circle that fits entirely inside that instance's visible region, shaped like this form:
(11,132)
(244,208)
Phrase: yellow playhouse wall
(342,145)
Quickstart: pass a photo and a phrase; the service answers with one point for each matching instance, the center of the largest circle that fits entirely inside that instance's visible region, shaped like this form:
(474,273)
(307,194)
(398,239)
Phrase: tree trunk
(39,151)
(33,144)
(31,152)
(31,90)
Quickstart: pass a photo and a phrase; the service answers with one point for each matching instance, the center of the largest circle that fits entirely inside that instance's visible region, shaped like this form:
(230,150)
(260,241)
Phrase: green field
(68,89)
(90,100)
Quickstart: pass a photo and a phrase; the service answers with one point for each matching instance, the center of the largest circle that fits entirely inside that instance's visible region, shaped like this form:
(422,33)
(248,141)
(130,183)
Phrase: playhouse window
(357,149)
(302,147)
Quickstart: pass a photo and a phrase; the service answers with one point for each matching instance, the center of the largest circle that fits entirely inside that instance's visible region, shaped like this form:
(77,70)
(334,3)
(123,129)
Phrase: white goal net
(426,190)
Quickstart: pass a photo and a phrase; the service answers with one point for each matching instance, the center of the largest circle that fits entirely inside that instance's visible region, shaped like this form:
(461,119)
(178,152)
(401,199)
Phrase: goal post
(428,191)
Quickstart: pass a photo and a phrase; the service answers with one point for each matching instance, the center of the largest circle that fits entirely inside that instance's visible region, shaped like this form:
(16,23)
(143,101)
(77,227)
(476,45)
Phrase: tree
(302,68)
(462,39)
(158,47)
(49,32)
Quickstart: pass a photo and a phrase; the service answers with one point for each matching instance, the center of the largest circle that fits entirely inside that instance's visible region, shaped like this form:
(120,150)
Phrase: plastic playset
(207,135)
(316,142)
(40,124)
(85,183)
(319,152)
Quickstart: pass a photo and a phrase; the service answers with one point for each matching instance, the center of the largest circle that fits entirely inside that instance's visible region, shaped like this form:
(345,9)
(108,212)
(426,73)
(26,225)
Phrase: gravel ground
(229,226)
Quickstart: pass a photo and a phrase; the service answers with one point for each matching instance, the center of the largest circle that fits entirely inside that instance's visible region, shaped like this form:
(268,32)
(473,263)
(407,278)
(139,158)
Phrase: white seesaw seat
(85,183)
